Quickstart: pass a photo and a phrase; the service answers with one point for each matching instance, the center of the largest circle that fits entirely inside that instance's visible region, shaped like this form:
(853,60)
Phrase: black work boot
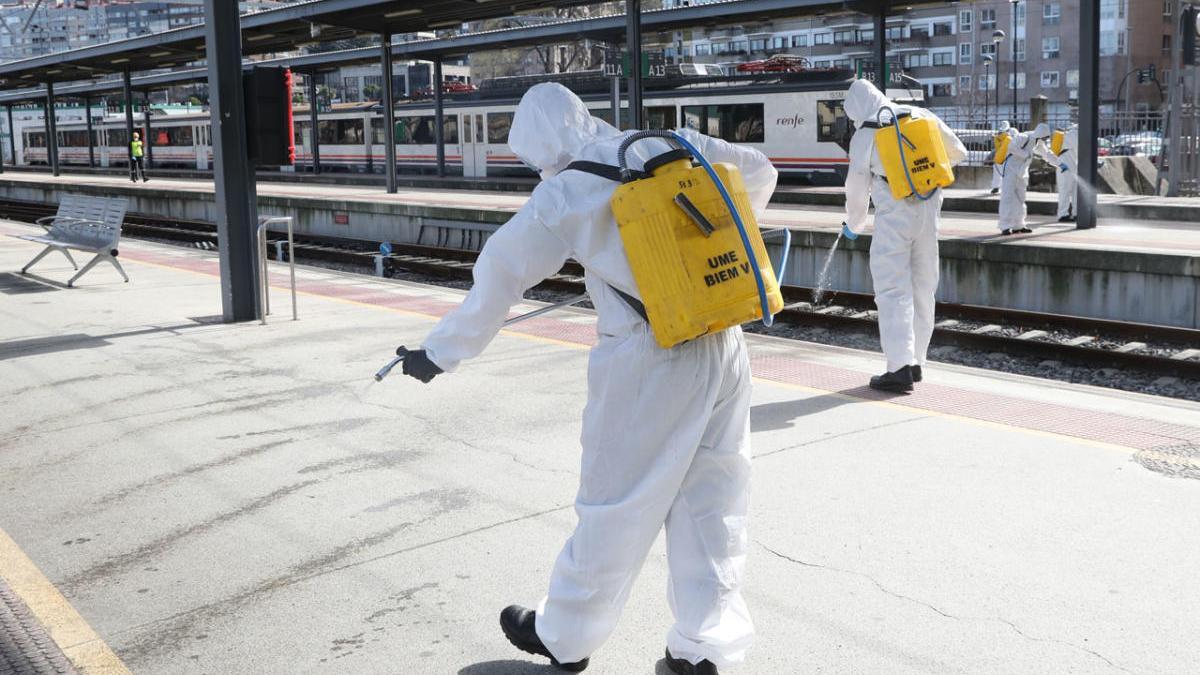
(684,667)
(900,381)
(916,373)
(517,623)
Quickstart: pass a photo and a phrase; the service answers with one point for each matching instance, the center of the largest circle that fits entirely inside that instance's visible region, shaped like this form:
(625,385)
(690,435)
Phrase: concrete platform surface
(217,498)
(1120,233)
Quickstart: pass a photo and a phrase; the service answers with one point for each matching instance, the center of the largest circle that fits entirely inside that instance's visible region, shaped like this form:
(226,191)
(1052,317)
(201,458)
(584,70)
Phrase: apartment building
(957,53)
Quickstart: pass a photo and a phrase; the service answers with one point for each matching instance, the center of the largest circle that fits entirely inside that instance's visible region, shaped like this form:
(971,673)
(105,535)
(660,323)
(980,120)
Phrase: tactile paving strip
(25,646)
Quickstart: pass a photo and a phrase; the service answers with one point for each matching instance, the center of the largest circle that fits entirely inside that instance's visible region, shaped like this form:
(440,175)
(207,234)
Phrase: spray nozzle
(401,352)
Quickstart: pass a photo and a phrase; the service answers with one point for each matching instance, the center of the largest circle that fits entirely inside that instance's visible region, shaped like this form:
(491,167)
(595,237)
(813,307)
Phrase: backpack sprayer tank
(699,262)
(1001,145)
(1056,141)
(913,155)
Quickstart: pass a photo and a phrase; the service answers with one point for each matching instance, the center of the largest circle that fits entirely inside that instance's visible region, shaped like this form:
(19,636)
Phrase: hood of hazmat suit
(683,455)
(904,258)
(863,102)
(1004,126)
(551,128)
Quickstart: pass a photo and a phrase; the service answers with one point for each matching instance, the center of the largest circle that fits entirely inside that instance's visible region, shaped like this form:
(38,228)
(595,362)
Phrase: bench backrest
(90,221)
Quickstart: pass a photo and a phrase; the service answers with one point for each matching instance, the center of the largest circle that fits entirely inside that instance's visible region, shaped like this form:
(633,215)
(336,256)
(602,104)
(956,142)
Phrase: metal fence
(1121,133)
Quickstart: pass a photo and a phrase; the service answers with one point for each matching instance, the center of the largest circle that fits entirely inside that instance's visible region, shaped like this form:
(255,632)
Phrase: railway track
(1086,341)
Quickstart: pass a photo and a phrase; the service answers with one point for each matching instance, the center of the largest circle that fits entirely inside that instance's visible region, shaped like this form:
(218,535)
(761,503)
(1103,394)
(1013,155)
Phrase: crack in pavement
(883,589)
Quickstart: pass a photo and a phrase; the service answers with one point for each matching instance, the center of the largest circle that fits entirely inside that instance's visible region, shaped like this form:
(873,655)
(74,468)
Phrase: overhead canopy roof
(317,21)
(276,30)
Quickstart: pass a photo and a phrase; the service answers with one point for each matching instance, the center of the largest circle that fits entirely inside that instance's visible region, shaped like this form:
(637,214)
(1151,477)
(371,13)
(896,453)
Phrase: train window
(468,137)
(479,128)
(832,124)
(341,132)
(35,139)
(606,115)
(301,132)
(498,125)
(660,117)
(737,123)
(168,136)
(419,130)
(72,139)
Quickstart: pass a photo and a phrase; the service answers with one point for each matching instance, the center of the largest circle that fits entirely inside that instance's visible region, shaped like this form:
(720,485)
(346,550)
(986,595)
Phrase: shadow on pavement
(15,283)
(12,349)
(784,414)
(509,667)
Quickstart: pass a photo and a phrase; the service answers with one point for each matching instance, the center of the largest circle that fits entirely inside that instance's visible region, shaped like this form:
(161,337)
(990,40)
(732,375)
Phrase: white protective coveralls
(1021,151)
(1066,171)
(904,245)
(666,432)
(997,174)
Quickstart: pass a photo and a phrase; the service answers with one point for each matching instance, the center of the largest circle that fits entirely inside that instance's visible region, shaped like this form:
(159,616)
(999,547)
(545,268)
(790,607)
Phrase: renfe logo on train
(727,267)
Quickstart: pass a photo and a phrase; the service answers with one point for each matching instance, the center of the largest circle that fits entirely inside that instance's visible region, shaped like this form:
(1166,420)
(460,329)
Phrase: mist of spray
(823,280)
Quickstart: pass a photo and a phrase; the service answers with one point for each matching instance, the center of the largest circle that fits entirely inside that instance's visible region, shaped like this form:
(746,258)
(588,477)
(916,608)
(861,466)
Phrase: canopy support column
(314,136)
(389,113)
(51,130)
(87,115)
(127,88)
(439,118)
(1089,113)
(633,43)
(236,198)
(146,118)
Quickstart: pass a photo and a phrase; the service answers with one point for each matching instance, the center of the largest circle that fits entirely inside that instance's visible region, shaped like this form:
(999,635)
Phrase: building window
(919,32)
(865,36)
(1020,13)
(965,20)
(964,83)
(945,28)
(916,60)
(1121,42)
(758,45)
(987,82)
(1050,47)
(843,37)
(987,19)
(1019,49)
(895,33)
(964,53)
(1051,14)
(1020,80)
(1168,8)
(799,41)
(987,49)
(942,89)
(943,58)
(1073,78)
(1120,9)
(1166,44)
(823,38)
(702,49)
(779,43)
(1049,79)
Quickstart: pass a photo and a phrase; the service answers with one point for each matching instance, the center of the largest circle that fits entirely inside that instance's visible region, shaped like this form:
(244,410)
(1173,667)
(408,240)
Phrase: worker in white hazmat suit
(665,431)
(904,245)
(997,174)
(1067,163)
(1021,151)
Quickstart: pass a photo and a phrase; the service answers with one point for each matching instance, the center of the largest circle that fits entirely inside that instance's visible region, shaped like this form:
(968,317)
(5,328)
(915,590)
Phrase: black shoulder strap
(602,170)
(612,173)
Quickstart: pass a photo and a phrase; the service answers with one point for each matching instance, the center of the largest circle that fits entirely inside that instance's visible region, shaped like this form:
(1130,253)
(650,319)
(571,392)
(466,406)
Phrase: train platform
(1126,269)
(179,495)
(1133,207)
(1113,233)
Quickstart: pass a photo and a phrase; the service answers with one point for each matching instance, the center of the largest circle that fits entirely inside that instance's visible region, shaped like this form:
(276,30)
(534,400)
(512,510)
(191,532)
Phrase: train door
(474,147)
(101,142)
(201,146)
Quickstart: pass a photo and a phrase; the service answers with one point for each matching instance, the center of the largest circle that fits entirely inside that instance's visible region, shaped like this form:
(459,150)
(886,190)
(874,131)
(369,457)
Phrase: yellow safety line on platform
(801,387)
(81,645)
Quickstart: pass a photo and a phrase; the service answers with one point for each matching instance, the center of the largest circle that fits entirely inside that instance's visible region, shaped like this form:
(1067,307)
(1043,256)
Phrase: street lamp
(997,39)
(1014,60)
(987,94)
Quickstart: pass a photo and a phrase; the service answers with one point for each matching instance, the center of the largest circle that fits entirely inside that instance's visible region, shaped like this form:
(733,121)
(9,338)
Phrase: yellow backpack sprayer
(1001,146)
(913,155)
(693,244)
(1056,141)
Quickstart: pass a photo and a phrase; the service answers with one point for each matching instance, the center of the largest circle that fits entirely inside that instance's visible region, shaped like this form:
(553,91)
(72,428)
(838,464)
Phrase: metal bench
(83,223)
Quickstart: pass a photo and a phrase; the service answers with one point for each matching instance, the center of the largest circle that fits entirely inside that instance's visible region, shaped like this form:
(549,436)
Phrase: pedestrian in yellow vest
(137,158)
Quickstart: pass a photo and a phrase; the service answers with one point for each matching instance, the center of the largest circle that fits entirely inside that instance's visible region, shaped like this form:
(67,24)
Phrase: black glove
(418,365)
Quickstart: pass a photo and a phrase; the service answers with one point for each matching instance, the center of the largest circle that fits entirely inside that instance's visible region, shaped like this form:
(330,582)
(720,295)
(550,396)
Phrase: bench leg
(45,252)
(117,264)
(90,265)
(68,254)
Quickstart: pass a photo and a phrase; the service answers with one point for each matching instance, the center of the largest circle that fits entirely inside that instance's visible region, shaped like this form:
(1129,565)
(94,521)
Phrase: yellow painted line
(800,387)
(81,645)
